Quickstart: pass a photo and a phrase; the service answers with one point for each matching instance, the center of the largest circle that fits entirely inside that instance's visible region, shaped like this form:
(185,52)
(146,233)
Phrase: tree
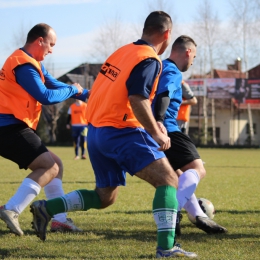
(111,35)
(208,31)
(245,33)
(51,114)
(19,36)
(245,18)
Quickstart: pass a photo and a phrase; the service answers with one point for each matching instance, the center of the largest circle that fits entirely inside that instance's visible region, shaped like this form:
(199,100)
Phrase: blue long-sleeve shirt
(51,92)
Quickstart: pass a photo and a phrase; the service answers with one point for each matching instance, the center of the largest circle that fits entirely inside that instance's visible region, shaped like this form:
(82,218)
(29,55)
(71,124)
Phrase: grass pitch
(126,230)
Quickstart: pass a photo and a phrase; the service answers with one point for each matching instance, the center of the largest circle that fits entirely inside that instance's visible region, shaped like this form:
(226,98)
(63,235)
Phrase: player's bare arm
(193,101)
(143,112)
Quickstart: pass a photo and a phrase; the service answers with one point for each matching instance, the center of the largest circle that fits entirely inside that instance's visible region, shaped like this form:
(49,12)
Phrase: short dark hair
(39,30)
(157,22)
(182,43)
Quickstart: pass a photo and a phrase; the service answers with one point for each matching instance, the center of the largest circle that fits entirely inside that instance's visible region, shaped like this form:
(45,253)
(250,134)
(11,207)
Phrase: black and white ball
(207,207)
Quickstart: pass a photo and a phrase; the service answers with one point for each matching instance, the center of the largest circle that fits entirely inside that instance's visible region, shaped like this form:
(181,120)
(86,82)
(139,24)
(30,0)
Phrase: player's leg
(192,173)
(193,208)
(108,176)
(76,140)
(180,154)
(183,155)
(27,151)
(82,200)
(54,189)
(152,166)
(160,174)
(83,142)
(202,220)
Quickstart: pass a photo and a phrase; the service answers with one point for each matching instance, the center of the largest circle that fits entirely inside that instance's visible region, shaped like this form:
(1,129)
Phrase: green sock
(78,200)
(165,206)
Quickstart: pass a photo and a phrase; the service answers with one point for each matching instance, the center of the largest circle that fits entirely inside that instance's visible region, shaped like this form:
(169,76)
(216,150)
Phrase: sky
(77,24)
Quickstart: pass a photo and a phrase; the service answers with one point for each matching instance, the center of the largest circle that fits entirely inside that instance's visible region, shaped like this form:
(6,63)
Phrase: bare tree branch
(245,29)
(207,30)
(112,35)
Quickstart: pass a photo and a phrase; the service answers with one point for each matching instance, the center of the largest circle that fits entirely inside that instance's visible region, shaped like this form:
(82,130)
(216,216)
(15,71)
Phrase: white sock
(193,208)
(188,182)
(73,201)
(53,190)
(25,194)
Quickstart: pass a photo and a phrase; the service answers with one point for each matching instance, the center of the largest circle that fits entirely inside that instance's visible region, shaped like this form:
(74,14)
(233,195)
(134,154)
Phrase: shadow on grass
(138,235)
(235,212)
(232,166)
(64,182)
(6,253)
(108,238)
(199,236)
(4,233)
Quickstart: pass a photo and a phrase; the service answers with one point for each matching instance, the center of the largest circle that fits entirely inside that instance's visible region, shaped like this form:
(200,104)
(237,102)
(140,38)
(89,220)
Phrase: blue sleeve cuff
(83,96)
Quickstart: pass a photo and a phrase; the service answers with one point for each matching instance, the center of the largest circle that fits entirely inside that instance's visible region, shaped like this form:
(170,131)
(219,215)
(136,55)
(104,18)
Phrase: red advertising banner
(197,86)
(254,91)
(220,88)
(242,91)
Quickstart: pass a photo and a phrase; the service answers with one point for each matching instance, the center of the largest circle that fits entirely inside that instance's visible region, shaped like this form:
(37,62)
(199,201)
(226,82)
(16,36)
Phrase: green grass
(126,230)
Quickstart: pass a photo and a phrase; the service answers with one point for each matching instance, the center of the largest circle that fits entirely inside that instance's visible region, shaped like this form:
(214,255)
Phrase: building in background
(236,108)
(53,119)
(84,74)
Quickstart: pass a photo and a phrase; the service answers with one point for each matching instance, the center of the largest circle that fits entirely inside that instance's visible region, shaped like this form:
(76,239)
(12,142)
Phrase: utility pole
(251,127)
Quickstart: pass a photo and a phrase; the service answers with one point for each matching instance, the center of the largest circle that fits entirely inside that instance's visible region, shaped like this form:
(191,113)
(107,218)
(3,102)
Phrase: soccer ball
(207,207)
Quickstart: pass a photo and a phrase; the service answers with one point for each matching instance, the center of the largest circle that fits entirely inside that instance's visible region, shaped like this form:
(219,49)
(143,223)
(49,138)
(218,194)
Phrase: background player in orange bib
(77,121)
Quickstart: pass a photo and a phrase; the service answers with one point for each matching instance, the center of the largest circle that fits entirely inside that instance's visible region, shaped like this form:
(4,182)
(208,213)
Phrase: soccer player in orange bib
(77,121)
(123,136)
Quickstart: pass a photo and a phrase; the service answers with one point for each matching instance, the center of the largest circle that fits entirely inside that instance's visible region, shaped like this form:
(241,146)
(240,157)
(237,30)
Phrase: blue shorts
(113,152)
(79,131)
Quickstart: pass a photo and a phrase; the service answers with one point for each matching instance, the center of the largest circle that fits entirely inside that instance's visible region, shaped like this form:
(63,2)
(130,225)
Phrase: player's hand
(80,89)
(89,92)
(163,140)
(68,126)
(162,127)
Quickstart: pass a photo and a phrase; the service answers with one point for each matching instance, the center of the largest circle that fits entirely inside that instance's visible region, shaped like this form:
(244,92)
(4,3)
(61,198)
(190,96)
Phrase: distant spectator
(78,122)
(241,90)
(188,100)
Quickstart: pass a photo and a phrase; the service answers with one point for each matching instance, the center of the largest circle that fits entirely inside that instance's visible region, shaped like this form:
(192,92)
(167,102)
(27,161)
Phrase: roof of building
(84,74)
(229,74)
